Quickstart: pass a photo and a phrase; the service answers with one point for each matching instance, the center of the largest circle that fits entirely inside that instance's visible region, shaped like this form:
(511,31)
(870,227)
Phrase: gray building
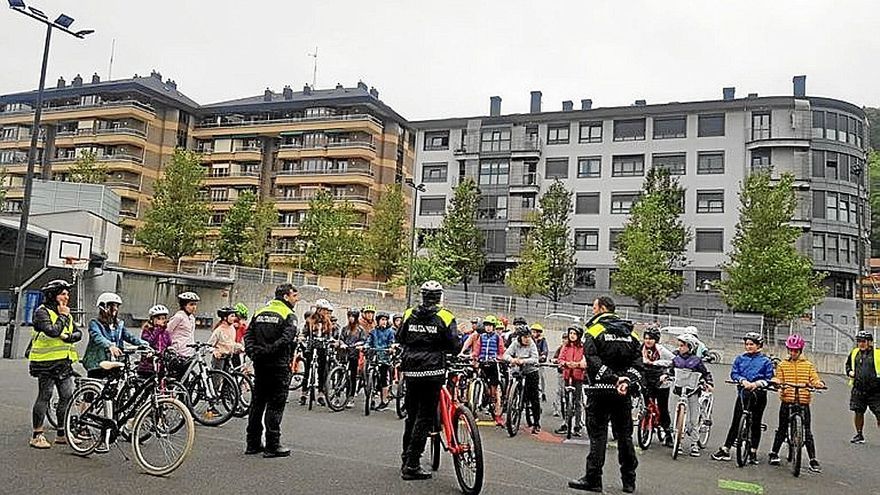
(602,155)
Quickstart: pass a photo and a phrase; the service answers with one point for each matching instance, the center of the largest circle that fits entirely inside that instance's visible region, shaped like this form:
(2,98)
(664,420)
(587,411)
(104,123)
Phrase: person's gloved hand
(74,336)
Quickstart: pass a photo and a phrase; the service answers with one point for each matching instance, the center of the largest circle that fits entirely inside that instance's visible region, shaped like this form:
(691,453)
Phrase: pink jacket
(182,328)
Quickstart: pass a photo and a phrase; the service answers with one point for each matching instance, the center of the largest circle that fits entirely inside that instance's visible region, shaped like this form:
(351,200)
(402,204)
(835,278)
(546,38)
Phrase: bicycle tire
(475,396)
(368,390)
(400,399)
(470,457)
(83,439)
(646,428)
(680,424)
(743,440)
(337,388)
(221,407)
(150,418)
(514,411)
(245,387)
(435,451)
(796,443)
(568,412)
(705,430)
(51,414)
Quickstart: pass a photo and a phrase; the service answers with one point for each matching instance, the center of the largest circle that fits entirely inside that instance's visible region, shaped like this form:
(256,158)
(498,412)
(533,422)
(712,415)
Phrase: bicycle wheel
(705,422)
(83,432)
(400,399)
(467,451)
(475,396)
(743,441)
(435,451)
(166,449)
(51,414)
(215,406)
(368,390)
(337,389)
(245,387)
(796,443)
(646,428)
(680,424)
(514,411)
(298,375)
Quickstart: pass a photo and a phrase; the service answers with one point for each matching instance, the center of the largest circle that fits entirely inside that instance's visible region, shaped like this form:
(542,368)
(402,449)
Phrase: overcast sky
(446,58)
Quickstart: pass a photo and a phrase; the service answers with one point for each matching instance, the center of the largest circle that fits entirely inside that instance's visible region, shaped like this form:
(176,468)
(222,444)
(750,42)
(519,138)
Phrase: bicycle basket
(174,363)
(687,379)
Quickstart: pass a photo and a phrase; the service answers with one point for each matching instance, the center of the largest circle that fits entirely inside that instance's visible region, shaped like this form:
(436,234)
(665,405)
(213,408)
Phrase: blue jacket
(101,337)
(752,367)
(381,339)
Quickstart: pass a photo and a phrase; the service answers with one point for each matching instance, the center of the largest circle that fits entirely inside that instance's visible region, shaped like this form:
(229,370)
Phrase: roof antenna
(112,52)
(315,71)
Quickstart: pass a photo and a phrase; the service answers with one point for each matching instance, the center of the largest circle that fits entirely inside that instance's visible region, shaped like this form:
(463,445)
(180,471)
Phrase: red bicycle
(649,423)
(458,435)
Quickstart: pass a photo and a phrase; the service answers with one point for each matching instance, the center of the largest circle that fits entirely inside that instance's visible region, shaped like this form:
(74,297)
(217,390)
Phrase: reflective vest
(852,363)
(597,328)
(445,316)
(277,307)
(45,348)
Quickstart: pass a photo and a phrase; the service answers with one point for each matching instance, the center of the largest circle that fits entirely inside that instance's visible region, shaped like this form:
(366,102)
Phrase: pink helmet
(795,341)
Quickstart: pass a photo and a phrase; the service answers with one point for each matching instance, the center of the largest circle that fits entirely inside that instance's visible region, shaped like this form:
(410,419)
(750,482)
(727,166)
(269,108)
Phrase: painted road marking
(741,486)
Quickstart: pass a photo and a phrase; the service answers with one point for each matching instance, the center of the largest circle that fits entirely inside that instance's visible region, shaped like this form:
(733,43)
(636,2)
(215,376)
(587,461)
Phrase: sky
(446,58)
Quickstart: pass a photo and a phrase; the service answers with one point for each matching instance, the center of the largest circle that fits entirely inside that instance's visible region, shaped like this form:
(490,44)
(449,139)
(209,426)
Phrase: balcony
(525,182)
(232,177)
(242,153)
(518,146)
(274,127)
(337,149)
(100,109)
(126,183)
(282,199)
(127,213)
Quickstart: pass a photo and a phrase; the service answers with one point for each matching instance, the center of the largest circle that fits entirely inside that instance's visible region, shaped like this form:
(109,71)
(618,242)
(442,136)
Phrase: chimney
(752,95)
(339,86)
(729,93)
(61,82)
(171,84)
(536,102)
(267,95)
(287,92)
(800,86)
(494,106)
(156,74)
(307,90)
(362,86)
(640,103)
(586,104)
(567,106)
(374,93)
(77,81)
(96,78)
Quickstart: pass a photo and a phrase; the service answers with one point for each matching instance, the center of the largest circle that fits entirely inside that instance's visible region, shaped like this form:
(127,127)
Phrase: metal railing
(526,179)
(294,120)
(334,144)
(304,198)
(77,106)
(328,171)
(517,144)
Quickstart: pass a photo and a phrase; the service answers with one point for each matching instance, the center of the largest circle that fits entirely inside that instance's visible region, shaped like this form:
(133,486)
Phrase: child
(573,365)
(156,335)
(796,370)
(381,339)
(487,349)
(543,352)
(523,353)
(223,338)
(657,360)
(687,359)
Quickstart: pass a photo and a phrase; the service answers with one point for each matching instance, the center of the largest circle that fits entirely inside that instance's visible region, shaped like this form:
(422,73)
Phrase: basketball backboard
(64,247)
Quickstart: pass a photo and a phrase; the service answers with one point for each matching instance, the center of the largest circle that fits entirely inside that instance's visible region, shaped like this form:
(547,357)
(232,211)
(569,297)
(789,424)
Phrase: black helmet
(519,320)
(653,332)
(523,332)
(55,287)
(754,337)
(381,314)
(864,335)
(354,312)
(577,329)
(226,311)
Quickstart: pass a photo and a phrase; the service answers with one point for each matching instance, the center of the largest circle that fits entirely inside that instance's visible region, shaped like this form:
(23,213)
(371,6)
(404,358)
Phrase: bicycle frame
(446,409)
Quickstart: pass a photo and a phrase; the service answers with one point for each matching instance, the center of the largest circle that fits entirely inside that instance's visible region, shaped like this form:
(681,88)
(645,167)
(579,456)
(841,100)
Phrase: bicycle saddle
(110,365)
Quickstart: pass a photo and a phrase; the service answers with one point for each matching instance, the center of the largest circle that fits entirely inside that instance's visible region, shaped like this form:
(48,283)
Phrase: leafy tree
(874,127)
(551,252)
(766,273)
(459,243)
(87,170)
(874,199)
(532,274)
(385,240)
(426,266)
(652,243)
(332,246)
(246,231)
(259,243)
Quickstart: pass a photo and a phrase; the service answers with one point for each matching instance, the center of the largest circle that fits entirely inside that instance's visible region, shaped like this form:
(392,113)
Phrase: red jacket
(240,329)
(572,353)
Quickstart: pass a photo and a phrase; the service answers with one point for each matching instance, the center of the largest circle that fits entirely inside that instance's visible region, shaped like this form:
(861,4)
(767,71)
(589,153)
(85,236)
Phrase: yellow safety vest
(45,348)
(852,362)
(597,329)
(445,315)
(276,306)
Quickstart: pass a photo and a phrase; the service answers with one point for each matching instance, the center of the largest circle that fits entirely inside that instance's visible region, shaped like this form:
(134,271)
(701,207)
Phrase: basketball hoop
(76,265)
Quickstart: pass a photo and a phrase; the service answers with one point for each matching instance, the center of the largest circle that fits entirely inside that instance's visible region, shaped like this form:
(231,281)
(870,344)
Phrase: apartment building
(602,155)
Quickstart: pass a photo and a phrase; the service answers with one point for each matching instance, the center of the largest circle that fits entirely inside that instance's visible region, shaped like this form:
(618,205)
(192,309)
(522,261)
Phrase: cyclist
(155,334)
(368,318)
(543,352)
(241,317)
(427,334)
(863,369)
(464,333)
(657,360)
(351,338)
(686,358)
(107,335)
(478,329)
(798,370)
(396,320)
(51,354)
(523,354)
(487,350)
(752,370)
(381,339)
(506,330)
(318,325)
(572,365)
(182,326)
(223,338)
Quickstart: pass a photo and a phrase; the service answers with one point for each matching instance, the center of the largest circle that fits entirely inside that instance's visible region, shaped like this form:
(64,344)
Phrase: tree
(766,273)
(246,231)
(332,246)
(531,275)
(385,241)
(874,127)
(426,266)
(259,243)
(87,170)
(459,243)
(176,221)
(874,199)
(652,244)
(549,250)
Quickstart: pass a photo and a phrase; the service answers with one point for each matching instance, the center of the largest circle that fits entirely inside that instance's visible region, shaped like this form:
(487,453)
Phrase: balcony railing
(334,144)
(222,173)
(125,183)
(295,120)
(526,179)
(128,213)
(328,171)
(77,106)
(117,157)
(474,144)
(304,198)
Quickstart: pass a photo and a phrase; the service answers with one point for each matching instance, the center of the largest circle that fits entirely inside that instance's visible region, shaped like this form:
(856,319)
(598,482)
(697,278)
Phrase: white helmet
(188,297)
(323,304)
(158,310)
(108,297)
(690,340)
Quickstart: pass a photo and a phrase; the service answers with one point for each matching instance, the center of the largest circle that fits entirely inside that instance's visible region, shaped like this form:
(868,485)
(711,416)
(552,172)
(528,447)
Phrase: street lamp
(706,287)
(62,23)
(412,238)
(857,169)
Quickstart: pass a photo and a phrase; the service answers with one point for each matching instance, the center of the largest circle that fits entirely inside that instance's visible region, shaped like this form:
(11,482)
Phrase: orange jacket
(798,372)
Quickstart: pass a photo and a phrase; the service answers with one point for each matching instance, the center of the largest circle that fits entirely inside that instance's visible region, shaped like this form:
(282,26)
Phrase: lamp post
(857,169)
(62,23)
(412,238)
(706,287)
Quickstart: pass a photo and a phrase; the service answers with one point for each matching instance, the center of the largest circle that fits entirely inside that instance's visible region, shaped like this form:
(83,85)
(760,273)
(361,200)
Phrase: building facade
(602,155)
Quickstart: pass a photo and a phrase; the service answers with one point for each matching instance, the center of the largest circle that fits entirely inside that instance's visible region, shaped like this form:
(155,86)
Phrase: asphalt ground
(348,453)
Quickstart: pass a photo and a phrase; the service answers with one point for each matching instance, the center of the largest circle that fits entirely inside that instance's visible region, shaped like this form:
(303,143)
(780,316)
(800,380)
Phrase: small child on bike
(487,350)
(657,360)
(156,335)
(796,370)
(573,365)
(381,339)
(223,339)
(543,353)
(523,355)
(686,358)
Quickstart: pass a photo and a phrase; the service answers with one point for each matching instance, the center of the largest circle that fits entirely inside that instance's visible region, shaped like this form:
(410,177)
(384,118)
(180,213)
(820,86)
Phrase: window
(670,127)
(860,131)
(586,240)
(621,203)
(830,206)
(436,140)
(629,130)
(495,140)
(492,208)
(590,132)
(831,247)
(710,162)
(842,132)
(495,241)
(432,206)
(558,133)
(589,166)
(818,247)
(844,249)
(613,235)
(494,172)
(761,160)
(219,194)
(831,126)
(818,163)
(844,166)
(556,168)
(585,278)
(586,203)
(528,202)
(818,204)
(710,201)
(674,163)
(434,172)
(216,219)
(710,125)
(818,124)
(709,241)
(760,125)
(628,166)
(843,208)
(830,165)
(853,207)
(711,276)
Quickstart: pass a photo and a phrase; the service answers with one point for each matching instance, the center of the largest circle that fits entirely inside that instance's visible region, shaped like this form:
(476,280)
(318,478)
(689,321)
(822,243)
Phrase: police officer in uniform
(270,343)
(427,334)
(611,349)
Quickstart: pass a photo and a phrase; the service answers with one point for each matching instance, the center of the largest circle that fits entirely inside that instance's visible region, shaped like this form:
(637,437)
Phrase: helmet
(475,321)
(653,332)
(690,340)
(577,329)
(323,304)
(754,337)
(523,332)
(431,291)
(107,298)
(503,321)
(54,288)
(519,320)
(225,311)
(242,311)
(490,320)
(369,308)
(158,310)
(395,316)
(864,335)
(537,327)
(188,297)
(380,315)
(795,341)
(354,312)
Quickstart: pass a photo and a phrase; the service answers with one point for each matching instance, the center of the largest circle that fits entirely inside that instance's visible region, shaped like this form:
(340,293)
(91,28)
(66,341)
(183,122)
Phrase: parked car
(313,287)
(371,292)
(564,317)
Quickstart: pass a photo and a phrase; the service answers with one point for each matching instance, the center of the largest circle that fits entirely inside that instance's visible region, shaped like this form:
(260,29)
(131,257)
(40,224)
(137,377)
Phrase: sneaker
(499,421)
(859,438)
(349,403)
(562,430)
(722,455)
(695,450)
(814,466)
(753,459)
(536,429)
(383,406)
(40,442)
(321,401)
(773,459)
(576,432)
(61,440)
(302,400)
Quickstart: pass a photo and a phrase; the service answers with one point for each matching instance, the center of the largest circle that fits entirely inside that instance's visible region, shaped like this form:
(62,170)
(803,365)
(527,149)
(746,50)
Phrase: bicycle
(517,403)
(213,395)
(567,406)
(398,386)
(458,434)
(100,411)
(744,430)
(796,430)
(243,376)
(688,382)
(297,368)
(311,385)
(337,388)
(649,423)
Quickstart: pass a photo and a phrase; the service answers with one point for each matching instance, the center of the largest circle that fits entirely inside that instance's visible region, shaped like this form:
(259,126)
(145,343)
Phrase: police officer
(270,342)
(427,334)
(611,349)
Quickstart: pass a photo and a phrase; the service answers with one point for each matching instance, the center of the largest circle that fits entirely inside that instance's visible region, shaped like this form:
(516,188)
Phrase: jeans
(756,402)
(782,431)
(422,398)
(267,405)
(617,410)
(45,383)
(532,396)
